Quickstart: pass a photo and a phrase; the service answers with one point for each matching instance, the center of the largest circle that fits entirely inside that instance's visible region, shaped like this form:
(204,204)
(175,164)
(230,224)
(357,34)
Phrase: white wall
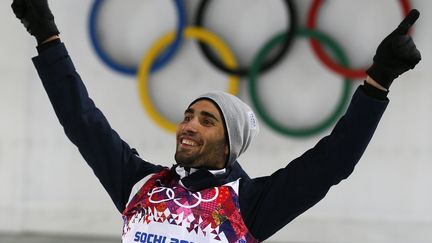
(45,185)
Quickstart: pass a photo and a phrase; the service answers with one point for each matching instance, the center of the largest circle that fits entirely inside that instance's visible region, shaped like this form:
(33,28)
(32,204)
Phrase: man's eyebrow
(208,114)
(203,113)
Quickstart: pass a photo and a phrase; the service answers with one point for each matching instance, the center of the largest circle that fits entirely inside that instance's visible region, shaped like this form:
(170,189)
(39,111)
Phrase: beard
(212,157)
(184,159)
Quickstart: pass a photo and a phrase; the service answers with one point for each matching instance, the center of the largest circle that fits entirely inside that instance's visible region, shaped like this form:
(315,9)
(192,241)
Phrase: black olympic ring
(243,71)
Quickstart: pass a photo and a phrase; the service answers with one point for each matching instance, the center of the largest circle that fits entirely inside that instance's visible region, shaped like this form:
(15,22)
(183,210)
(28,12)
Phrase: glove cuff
(49,29)
(380,75)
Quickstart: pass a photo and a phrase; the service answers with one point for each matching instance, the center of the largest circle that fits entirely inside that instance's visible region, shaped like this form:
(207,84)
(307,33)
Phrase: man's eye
(187,118)
(207,122)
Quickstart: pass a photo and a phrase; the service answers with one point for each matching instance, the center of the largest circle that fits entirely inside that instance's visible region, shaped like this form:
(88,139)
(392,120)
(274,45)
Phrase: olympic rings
(321,54)
(157,47)
(261,111)
(153,61)
(170,195)
(292,26)
(159,62)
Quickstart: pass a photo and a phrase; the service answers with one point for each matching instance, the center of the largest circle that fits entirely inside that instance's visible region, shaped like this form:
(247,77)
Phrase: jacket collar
(196,179)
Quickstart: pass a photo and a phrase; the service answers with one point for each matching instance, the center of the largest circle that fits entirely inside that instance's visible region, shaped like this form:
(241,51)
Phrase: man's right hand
(396,54)
(36,17)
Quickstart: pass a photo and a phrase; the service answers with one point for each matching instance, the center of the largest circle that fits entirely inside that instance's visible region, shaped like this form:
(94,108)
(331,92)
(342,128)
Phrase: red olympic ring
(322,55)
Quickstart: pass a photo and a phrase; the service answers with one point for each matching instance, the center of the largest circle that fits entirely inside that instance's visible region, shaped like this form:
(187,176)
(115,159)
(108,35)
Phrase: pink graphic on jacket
(210,212)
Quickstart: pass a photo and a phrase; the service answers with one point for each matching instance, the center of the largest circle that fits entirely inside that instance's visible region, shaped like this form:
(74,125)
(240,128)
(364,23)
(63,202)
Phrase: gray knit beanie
(240,122)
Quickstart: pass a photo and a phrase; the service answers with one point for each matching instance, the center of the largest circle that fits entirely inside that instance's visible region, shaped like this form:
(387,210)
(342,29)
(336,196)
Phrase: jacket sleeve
(273,201)
(116,165)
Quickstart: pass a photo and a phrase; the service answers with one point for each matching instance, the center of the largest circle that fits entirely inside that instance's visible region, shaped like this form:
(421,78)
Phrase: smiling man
(201,137)
(217,128)
(206,196)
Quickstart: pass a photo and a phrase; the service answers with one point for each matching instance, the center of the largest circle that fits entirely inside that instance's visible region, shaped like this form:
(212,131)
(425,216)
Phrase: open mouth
(188,142)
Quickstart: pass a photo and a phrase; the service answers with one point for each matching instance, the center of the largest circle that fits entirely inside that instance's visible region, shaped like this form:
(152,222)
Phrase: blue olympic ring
(159,62)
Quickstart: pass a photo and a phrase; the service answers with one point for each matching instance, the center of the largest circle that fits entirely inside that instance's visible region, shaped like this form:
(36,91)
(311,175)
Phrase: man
(206,196)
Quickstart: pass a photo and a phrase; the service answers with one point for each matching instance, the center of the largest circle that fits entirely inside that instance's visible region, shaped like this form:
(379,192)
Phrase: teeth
(188,142)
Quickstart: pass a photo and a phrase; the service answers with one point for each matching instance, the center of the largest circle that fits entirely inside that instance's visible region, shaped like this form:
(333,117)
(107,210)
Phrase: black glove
(36,17)
(396,54)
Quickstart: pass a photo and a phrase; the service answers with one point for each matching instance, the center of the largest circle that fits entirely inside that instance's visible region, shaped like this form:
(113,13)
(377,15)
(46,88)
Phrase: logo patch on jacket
(163,208)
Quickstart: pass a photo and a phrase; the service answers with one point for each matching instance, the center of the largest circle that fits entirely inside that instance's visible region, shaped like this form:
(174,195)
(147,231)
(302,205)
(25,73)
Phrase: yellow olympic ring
(144,69)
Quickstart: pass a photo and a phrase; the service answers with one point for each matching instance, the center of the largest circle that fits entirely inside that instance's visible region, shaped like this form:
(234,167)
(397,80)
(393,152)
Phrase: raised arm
(306,180)
(115,164)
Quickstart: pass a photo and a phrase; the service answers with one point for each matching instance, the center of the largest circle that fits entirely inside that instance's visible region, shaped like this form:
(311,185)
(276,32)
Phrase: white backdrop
(45,185)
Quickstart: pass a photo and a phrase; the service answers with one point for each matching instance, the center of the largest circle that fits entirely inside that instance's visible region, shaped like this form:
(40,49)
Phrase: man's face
(201,137)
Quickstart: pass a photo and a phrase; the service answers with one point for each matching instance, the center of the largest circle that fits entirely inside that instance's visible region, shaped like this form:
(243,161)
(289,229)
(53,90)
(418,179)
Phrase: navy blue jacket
(267,203)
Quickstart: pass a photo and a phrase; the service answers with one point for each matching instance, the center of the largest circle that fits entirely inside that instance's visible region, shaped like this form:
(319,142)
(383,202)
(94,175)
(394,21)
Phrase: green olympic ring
(261,111)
